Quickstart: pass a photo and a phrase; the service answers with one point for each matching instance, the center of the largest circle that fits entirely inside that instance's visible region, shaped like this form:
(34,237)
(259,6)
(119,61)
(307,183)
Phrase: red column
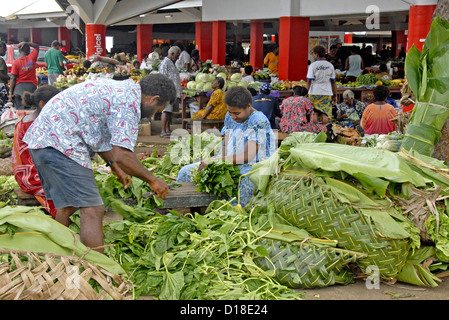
(219,42)
(95,39)
(293,48)
(144,40)
(64,37)
(256,45)
(348,37)
(399,40)
(203,39)
(35,35)
(13,35)
(420,20)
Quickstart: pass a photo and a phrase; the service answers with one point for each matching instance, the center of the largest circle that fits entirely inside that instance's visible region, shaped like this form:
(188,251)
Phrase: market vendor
(248,139)
(268,105)
(23,72)
(321,83)
(298,113)
(350,111)
(23,167)
(216,106)
(102,116)
(377,117)
(271,60)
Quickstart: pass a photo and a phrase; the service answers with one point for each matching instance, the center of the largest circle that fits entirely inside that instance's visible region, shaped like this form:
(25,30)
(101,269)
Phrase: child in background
(24,170)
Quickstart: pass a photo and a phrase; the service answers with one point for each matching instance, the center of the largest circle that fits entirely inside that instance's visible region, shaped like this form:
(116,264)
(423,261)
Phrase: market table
(186,196)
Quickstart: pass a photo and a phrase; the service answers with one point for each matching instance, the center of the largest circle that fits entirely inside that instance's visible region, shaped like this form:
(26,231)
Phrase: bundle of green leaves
(428,76)
(187,150)
(194,257)
(219,178)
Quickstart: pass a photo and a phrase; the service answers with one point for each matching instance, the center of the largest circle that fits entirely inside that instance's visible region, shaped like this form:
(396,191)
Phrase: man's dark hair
(2,44)
(158,85)
(320,51)
(179,45)
(25,49)
(249,70)
(239,97)
(381,93)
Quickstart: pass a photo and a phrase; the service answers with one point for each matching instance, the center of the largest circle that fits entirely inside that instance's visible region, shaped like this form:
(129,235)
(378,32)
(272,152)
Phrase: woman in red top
(377,117)
(23,167)
(298,113)
(23,72)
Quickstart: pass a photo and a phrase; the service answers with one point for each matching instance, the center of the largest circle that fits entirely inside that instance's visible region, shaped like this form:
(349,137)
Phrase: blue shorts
(64,181)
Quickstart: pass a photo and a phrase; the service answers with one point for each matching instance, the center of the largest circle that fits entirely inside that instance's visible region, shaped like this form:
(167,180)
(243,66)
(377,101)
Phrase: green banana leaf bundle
(427,74)
(29,229)
(307,202)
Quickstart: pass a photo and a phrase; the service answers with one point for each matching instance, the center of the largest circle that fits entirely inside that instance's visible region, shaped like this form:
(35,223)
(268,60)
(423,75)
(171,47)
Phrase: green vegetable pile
(205,257)
(189,149)
(367,79)
(219,178)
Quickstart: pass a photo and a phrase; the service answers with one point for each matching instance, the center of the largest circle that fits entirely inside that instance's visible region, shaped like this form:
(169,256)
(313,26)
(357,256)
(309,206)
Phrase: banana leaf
(415,273)
(50,236)
(362,163)
(428,77)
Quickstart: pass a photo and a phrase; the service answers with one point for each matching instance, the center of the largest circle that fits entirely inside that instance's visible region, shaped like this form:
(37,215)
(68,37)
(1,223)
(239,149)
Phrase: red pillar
(399,40)
(64,37)
(348,37)
(256,45)
(95,40)
(144,40)
(420,20)
(203,39)
(13,35)
(35,35)
(219,42)
(293,48)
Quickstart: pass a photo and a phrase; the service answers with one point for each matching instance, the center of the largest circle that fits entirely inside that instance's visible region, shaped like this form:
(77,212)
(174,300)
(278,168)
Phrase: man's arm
(12,85)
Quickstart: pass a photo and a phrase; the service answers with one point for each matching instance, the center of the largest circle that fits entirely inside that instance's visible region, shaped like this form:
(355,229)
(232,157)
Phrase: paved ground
(355,291)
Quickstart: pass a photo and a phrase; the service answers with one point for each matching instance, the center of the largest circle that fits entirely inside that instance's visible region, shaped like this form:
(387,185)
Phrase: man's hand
(160,187)
(122,177)
(203,164)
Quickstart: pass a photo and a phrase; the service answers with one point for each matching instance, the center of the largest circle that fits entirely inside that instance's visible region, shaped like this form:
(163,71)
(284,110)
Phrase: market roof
(347,16)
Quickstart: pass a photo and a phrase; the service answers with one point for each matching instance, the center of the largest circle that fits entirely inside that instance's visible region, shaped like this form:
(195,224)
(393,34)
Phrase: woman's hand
(203,164)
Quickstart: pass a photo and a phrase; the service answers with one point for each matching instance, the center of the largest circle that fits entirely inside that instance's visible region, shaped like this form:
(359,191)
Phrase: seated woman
(248,139)
(377,117)
(350,110)
(298,114)
(216,107)
(23,167)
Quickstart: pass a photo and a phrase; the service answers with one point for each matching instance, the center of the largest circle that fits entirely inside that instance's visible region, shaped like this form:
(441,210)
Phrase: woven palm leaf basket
(306,266)
(305,204)
(43,276)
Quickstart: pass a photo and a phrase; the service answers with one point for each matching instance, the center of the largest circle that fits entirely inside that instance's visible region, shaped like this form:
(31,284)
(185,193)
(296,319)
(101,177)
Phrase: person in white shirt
(247,76)
(321,83)
(354,64)
(143,65)
(183,61)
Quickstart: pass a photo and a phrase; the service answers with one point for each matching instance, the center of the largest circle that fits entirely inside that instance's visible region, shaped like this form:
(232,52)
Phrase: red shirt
(377,119)
(25,68)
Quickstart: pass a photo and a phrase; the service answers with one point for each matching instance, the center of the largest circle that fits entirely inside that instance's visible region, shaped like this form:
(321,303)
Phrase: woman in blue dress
(248,139)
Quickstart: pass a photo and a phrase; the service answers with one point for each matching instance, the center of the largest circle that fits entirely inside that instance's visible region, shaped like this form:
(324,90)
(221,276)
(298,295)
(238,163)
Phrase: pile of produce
(219,178)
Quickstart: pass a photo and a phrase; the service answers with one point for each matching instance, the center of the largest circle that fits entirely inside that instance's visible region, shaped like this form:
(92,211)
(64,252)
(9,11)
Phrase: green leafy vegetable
(219,178)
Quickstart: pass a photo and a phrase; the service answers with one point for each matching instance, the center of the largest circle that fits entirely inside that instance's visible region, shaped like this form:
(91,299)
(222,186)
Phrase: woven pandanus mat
(305,266)
(38,276)
(307,205)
